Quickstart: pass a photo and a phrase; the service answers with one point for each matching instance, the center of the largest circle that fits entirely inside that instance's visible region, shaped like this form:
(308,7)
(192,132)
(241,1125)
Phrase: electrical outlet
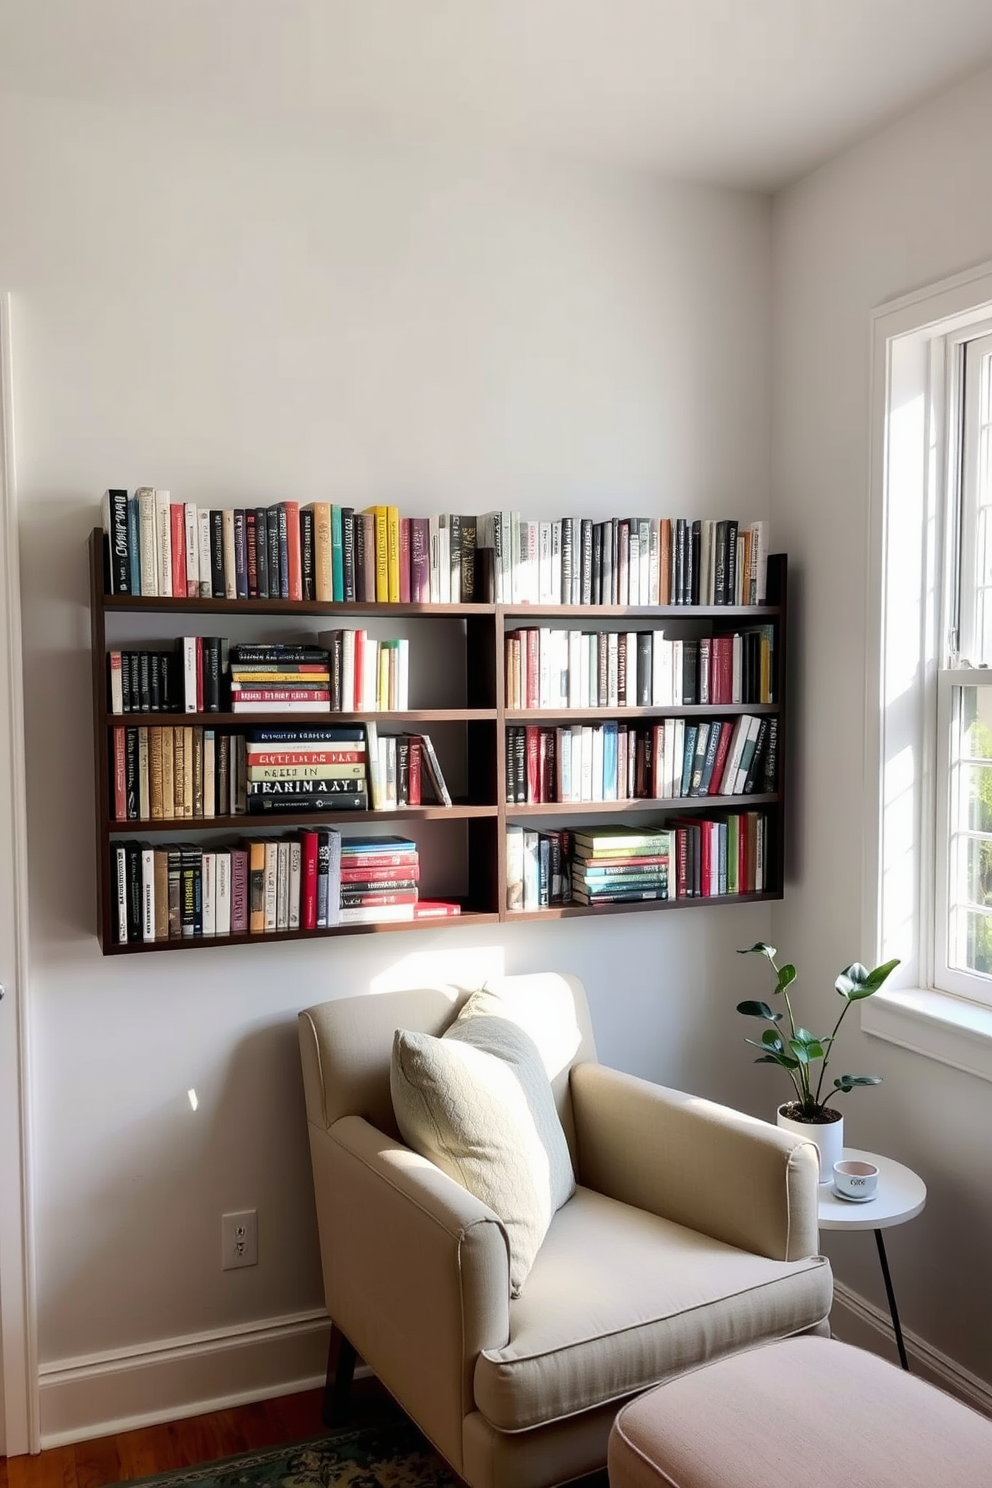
(239,1239)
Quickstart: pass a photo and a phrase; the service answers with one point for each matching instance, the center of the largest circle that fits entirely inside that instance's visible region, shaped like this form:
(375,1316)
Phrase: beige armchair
(692,1234)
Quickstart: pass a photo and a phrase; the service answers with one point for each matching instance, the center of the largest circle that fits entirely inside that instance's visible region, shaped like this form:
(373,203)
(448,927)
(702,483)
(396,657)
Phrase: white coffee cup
(855,1179)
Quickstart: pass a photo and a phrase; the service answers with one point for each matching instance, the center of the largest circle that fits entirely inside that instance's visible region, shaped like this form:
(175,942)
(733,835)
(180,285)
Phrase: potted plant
(805,1057)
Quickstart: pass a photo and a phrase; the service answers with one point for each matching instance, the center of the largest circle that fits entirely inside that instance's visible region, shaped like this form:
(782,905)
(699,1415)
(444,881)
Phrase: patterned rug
(387,1456)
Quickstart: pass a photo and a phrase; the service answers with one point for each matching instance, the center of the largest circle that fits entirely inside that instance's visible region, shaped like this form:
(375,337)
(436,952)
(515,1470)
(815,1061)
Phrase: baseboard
(854,1320)
(178,1377)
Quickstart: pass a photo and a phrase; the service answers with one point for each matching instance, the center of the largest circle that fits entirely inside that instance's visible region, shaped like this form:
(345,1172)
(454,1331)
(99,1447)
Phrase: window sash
(952,835)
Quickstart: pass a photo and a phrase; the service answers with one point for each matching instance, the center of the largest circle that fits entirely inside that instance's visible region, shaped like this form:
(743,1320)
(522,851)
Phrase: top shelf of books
(290,558)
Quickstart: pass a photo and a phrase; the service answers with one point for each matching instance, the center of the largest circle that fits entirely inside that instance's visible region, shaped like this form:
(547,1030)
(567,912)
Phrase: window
(928,782)
(962,962)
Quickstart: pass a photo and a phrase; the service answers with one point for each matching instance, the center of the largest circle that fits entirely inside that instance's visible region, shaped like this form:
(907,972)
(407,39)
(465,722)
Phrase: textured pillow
(478,1103)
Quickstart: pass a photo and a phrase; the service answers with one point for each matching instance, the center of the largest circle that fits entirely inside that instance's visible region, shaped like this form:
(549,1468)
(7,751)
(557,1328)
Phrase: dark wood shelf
(642,612)
(271,937)
(622,714)
(300,608)
(301,720)
(634,906)
(671,804)
(251,825)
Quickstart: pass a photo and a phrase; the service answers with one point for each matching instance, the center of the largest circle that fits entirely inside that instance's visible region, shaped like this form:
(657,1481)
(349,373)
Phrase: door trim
(18,1331)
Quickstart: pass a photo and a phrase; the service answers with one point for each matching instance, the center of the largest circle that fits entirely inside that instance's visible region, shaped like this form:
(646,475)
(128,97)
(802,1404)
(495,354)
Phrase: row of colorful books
(687,857)
(313,880)
(551,668)
(328,553)
(614,761)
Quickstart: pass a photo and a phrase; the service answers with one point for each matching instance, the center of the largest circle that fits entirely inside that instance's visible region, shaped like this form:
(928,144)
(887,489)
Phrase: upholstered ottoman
(807,1411)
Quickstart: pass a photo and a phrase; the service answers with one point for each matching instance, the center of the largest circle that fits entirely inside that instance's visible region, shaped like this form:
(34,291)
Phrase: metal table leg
(892,1299)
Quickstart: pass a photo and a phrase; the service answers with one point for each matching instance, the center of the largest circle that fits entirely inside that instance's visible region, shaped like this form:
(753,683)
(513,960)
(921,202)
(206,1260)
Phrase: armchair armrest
(702,1165)
(416,1271)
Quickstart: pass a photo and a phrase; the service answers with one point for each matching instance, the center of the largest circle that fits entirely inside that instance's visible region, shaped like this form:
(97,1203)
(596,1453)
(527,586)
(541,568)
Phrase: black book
(305,805)
(154,684)
(190,862)
(469,536)
(543,872)
(348,551)
(769,768)
(755,769)
(455,556)
(308,572)
(323,877)
(165,672)
(403,769)
(240,654)
(144,682)
(175,892)
(133,859)
(731,562)
(699,758)
(211,674)
(520,767)
(720,564)
(510,747)
(692,577)
(712,748)
(217,554)
(116,545)
(272,551)
(567,560)
(586,560)
(262,551)
(607,578)
(223,768)
(358,532)
(679,588)
(690,671)
(313,787)
(127,692)
(645,648)
(341,734)
(282,529)
(240,555)
(597,563)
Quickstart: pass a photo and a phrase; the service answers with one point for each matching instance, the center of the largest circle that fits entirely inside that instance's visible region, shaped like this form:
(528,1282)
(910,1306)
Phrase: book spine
(116,542)
(177,538)
(191,526)
(240,555)
(204,537)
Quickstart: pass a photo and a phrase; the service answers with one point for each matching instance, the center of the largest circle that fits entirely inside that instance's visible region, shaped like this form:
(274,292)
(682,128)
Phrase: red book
(404,560)
(726,734)
(294,561)
(416,770)
(389,874)
(431,909)
(308,880)
(532,755)
(279,694)
(706,858)
(177,522)
(379,859)
(120,776)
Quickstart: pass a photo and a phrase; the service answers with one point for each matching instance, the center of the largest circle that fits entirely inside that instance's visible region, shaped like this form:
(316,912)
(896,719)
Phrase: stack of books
(379,879)
(316,769)
(622,864)
(279,679)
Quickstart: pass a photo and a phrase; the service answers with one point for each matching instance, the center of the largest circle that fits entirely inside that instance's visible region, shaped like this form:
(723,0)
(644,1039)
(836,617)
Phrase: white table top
(901,1195)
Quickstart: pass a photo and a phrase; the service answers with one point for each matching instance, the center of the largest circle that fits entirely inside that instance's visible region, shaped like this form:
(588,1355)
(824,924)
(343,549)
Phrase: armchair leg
(341,1357)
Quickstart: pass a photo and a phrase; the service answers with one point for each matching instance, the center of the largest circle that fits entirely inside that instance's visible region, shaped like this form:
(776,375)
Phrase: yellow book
(168,784)
(256,888)
(155,782)
(178,770)
(382,555)
(322,551)
(382,700)
(393,553)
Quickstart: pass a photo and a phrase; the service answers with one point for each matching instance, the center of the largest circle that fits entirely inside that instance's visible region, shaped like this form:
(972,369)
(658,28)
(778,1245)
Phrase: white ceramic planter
(827,1135)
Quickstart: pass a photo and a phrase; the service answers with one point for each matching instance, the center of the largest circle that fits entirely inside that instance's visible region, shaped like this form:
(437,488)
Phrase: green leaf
(758,1010)
(848,1082)
(857,982)
(782,1060)
(799,1050)
(772,1039)
(759,948)
(766,1058)
(786,976)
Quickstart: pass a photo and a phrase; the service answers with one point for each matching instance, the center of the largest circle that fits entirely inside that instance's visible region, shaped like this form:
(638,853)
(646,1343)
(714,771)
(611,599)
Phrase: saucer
(850,1199)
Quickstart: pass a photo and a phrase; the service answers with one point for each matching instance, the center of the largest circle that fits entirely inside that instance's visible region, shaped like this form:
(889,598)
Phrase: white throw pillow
(478,1103)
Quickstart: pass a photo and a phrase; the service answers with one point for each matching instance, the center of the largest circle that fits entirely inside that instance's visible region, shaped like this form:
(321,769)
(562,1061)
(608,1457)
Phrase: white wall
(236,316)
(909,207)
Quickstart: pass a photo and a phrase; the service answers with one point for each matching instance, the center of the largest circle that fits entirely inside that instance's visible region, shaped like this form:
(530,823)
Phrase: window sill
(934,1024)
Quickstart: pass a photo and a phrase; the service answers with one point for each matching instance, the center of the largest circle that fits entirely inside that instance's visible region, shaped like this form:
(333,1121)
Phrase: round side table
(901,1195)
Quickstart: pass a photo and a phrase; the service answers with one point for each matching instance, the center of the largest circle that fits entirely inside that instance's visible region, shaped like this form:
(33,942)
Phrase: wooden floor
(158,1449)
(224,1433)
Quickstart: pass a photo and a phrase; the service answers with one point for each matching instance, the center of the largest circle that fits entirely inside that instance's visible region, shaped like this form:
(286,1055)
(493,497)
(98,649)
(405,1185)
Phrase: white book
(514,867)
(747,753)
(369,914)
(192,550)
(206,587)
(574,669)
(295,873)
(544,668)
(230,560)
(677,664)
(370,676)
(575,761)
(667,779)
(209,772)
(597,785)
(634,565)
(147,539)
(147,893)
(563,763)
(434,560)
(544,578)
(189,674)
(120,886)
(222,902)
(612,669)
(510,530)
(759,562)
(163,540)
(556,562)
(660,670)
(208,890)
(586,766)
(644,527)
(144,786)
(583,670)
(654,564)
(116,683)
(403,674)
(733,761)
(349,698)
(532,869)
(375,776)
(443,559)
(271,884)
(678,756)
(282,885)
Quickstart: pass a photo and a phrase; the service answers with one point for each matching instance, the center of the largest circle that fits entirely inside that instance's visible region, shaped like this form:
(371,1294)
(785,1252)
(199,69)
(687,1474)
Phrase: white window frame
(907,572)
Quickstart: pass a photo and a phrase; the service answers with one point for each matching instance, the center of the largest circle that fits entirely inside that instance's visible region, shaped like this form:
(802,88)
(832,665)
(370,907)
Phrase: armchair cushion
(620,1299)
(478,1103)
